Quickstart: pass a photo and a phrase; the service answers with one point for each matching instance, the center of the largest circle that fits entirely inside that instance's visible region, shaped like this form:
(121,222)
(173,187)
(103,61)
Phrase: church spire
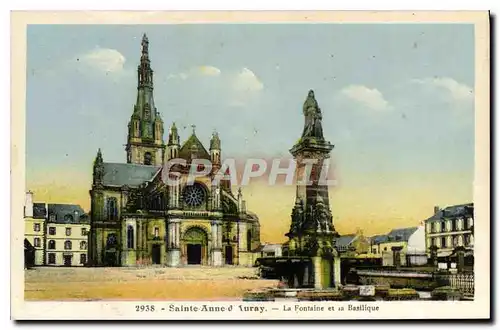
(145,139)
(145,74)
(145,46)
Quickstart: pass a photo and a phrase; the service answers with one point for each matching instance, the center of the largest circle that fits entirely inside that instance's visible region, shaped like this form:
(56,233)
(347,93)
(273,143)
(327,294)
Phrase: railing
(388,272)
(464,282)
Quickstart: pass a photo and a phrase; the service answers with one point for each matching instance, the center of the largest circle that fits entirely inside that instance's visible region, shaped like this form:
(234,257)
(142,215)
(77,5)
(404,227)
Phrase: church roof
(132,175)
(193,143)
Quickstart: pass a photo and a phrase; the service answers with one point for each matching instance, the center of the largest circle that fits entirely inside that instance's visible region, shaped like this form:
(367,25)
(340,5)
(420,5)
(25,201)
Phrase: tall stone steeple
(145,129)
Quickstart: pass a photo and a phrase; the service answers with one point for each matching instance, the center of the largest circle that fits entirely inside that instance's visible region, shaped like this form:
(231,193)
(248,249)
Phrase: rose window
(194,195)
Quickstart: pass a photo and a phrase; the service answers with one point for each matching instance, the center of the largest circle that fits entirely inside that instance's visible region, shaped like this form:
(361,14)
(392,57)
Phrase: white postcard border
(107,310)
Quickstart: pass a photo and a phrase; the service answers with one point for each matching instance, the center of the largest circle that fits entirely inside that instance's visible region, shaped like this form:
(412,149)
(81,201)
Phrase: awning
(444,254)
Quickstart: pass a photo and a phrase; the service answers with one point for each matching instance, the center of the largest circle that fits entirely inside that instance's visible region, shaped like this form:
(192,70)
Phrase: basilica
(138,219)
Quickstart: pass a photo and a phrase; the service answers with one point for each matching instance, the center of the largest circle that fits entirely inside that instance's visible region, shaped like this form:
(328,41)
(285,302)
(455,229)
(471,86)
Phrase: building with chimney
(138,218)
(58,233)
(449,228)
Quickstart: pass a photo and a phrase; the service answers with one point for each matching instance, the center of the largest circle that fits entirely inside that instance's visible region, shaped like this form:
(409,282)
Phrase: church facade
(137,218)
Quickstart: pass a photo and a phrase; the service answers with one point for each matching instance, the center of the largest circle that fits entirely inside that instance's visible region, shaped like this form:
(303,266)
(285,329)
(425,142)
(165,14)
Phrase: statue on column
(313,117)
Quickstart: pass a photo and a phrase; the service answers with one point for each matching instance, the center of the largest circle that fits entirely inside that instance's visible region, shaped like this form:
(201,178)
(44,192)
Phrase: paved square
(158,283)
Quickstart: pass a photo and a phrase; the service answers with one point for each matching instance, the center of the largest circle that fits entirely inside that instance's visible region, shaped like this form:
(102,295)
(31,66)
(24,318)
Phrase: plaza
(151,283)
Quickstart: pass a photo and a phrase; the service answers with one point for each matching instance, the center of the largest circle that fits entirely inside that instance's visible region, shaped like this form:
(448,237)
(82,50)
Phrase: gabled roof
(401,234)
(377,239)
(193,143)
(132,175)
(395,235)
(67,213)
(344,240)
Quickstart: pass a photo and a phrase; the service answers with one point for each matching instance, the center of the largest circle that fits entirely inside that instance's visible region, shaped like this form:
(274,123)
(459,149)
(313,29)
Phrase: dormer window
(68,218)
(148,158)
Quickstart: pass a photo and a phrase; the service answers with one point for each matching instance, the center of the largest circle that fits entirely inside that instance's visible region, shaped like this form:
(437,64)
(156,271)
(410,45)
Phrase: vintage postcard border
(479,308)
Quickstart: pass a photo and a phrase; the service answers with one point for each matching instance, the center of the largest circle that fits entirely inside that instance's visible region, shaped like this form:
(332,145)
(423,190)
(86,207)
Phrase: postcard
(250,165)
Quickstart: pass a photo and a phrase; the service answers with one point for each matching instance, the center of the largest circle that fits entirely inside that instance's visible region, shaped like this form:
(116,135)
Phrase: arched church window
(148,158)
(130,237)
(249,240)
(112,208)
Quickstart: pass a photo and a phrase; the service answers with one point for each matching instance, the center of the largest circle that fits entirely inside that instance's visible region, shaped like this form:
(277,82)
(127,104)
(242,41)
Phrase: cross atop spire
(145,74)
(145,45)
(194,128)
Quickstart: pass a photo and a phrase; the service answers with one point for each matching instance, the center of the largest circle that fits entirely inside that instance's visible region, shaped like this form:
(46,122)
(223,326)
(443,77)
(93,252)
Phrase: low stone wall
(398,279)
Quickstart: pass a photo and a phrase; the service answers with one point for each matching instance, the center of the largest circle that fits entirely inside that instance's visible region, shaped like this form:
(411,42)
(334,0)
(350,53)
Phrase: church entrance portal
(110,259)
(195,246)
(194,254)
(229,254)
(156,254)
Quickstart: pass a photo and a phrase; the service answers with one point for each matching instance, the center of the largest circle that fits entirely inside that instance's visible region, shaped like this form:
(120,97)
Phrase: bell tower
(145,130)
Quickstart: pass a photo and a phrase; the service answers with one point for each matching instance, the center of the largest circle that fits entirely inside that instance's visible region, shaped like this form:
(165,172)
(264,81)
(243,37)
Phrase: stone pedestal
(336,272)
(317,272)
(216,257)
(173,257)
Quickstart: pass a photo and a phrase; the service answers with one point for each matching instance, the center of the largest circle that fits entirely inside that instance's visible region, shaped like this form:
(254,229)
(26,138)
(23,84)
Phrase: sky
(397,103)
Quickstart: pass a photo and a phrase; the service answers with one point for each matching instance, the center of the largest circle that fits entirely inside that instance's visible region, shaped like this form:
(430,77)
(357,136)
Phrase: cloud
(104,59)
(203,70)
(245,80)
(237,87)
(371,98)
(453,89)
(208,70)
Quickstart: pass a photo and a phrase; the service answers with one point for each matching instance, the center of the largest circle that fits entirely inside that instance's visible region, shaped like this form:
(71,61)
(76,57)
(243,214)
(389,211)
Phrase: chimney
(28,205)
(436,209)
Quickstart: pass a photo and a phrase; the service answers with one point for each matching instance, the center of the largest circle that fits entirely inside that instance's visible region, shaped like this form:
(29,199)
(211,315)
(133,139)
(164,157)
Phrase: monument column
(311,230)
